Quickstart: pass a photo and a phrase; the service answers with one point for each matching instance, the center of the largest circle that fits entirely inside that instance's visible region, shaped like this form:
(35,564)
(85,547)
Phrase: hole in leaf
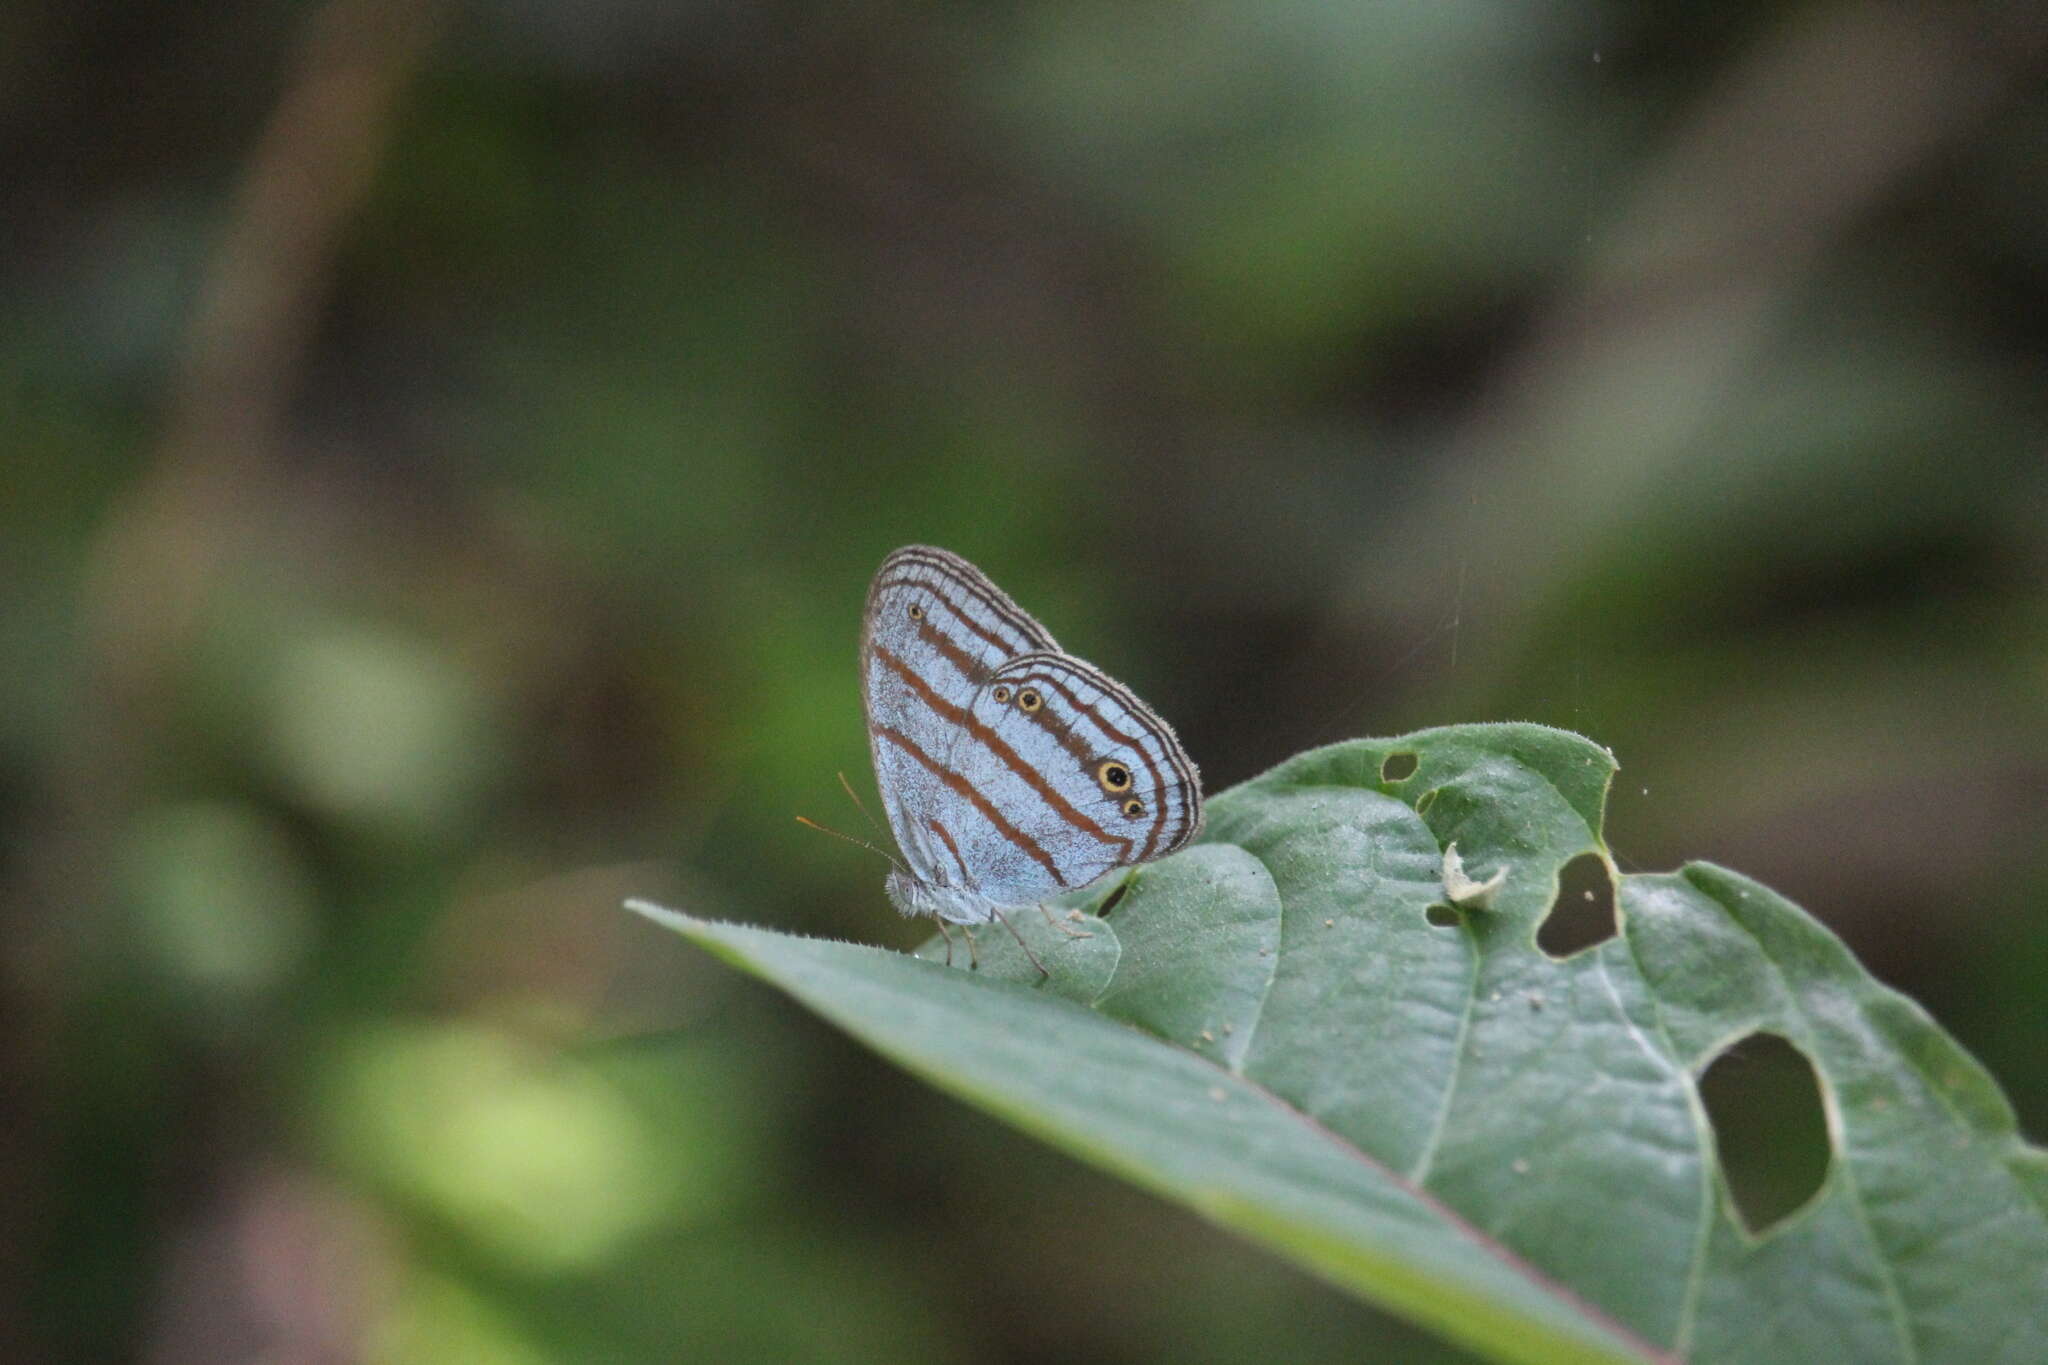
(1583,913)
(1109,901)
(1426,800)
(1398,767)
(1443,916)
(1770,1130)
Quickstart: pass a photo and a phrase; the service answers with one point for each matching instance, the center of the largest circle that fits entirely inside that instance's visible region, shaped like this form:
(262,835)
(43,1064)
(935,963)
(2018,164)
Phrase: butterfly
(1010,770)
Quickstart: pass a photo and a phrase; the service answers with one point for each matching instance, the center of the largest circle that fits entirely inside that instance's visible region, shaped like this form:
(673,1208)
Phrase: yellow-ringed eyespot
(1134,808)
(916,612)
(1001,692)
(1113,776)
(1028,698)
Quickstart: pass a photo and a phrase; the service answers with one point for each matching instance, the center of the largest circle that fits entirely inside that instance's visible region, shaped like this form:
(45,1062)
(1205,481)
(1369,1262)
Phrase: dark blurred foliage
(442,453)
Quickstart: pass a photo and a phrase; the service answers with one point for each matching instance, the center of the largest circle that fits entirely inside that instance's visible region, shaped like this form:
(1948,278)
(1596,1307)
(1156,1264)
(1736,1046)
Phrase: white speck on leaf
(1462,890)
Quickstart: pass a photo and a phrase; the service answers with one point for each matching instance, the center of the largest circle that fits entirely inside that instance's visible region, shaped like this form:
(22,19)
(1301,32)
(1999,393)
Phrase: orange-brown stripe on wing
(1009,648)
(1117,736)
(951,652)
(946,838)
(954,655)
(957,572)
(1189,783)
(995,744)
(962,787)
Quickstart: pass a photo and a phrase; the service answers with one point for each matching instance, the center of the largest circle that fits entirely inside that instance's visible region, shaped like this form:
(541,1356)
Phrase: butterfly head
(951,903)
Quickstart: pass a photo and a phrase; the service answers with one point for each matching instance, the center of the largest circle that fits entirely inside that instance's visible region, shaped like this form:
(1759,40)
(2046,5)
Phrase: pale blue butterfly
(1010,771)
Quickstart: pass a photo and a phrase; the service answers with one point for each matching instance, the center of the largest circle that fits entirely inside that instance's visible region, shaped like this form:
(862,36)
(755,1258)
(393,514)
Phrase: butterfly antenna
(858,805)
(858,843)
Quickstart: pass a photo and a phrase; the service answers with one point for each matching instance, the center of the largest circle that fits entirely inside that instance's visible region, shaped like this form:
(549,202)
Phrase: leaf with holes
(1478,1120)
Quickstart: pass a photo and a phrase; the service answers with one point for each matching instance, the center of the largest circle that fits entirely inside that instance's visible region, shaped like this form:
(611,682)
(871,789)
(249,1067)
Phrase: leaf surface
(1288,1028)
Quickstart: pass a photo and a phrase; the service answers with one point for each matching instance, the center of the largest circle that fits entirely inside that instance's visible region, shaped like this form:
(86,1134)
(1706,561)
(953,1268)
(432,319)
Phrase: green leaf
(1288,1028)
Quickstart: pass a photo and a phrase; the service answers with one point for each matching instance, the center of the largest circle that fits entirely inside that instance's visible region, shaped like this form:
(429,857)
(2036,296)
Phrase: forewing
(935,630)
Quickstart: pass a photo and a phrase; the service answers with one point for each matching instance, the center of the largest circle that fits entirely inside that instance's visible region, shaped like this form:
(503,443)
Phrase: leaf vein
(1427,1157)
(1886,1275)
(1251,1028)
(1695,1279)
(1695,1275)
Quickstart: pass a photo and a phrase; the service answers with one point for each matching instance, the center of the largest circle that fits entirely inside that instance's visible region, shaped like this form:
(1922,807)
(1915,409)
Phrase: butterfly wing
(935,631)
(1072,778)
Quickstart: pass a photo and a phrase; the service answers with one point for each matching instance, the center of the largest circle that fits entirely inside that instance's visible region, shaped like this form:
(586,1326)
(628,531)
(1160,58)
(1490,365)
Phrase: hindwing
(1080,768)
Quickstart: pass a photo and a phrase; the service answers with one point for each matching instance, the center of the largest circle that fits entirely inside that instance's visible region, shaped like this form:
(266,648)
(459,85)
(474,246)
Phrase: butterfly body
(1009,770)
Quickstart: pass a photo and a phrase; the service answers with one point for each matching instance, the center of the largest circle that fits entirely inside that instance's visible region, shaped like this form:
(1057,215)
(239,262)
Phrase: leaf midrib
(1491,1245)
(1427,1159)
(1703,1237)
(1414,1183)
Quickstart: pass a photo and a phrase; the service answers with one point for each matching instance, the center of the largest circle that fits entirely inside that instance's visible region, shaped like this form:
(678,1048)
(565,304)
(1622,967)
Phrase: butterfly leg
(1070,933)
(945,934)
(973,958)
(1021,943)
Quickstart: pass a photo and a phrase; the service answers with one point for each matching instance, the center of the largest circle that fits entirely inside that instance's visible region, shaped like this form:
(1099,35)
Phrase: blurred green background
(443,451)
